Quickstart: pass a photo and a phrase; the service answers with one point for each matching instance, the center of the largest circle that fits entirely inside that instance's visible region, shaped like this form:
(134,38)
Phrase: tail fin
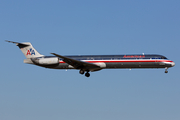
(27,49)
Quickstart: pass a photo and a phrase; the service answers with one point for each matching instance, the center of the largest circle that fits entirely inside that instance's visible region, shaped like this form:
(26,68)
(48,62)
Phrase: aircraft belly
(121,65)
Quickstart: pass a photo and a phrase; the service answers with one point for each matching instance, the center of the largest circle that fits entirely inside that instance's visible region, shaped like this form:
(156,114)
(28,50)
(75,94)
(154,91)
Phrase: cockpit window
(163,57)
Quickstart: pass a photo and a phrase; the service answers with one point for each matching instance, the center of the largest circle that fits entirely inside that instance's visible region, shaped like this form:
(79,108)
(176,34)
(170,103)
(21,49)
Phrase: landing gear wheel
(87,74)
(81,72)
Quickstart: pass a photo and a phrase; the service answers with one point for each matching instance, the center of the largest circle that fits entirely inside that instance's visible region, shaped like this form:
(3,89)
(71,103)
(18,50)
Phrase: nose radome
(173,64)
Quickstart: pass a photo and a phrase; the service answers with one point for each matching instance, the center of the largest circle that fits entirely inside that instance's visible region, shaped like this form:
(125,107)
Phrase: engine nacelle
(54,61)
(100,64)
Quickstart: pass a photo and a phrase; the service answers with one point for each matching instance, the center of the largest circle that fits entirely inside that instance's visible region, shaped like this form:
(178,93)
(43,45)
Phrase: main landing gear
(86,74)
(166,71)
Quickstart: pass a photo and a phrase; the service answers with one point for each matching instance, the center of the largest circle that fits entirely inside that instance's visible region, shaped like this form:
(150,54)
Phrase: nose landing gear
(166,71)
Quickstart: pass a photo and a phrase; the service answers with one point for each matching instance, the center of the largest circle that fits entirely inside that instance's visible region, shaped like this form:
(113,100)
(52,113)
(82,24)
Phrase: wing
(79,64)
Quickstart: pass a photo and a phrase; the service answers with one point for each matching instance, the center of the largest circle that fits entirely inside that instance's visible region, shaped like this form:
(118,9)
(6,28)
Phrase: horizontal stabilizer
(20,45)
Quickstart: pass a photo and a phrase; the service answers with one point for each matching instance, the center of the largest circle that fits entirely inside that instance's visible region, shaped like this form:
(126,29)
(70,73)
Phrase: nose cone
(173,64)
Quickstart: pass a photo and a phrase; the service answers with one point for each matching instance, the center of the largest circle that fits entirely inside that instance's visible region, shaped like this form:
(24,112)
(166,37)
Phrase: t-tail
(27,49)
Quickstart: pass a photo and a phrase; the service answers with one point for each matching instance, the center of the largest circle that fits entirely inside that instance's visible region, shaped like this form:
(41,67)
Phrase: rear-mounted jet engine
(46,62)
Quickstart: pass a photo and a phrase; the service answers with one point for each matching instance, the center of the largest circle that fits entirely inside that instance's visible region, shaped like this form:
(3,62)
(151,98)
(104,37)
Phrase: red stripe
(112,61)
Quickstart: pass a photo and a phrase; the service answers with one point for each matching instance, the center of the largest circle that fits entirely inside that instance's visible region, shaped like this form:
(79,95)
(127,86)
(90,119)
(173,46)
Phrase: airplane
(92,63)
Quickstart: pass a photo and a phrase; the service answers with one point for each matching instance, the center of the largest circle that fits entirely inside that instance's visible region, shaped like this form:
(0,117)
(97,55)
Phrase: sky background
(80,27)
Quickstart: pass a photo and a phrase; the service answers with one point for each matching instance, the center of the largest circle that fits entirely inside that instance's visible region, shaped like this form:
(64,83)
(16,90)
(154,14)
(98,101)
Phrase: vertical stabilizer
(27,49)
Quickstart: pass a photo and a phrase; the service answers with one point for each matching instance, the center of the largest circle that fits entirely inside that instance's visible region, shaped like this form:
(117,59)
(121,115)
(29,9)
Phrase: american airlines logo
(134,56)
(30,52)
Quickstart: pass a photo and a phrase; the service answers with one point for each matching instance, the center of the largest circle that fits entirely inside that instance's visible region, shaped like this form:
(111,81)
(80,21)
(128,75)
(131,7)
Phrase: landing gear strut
(166,71)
